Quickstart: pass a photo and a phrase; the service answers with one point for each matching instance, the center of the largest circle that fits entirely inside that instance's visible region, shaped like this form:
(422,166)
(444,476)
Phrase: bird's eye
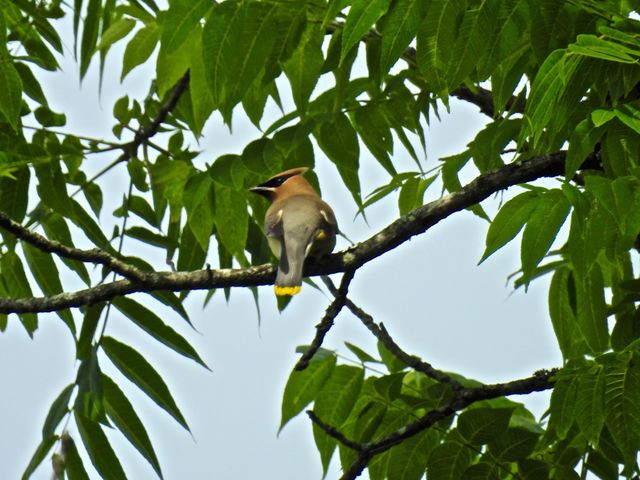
(276,182)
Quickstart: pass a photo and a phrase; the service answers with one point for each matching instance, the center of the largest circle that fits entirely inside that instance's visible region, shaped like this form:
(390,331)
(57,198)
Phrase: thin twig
(380,332)
(334,432)
(327,321)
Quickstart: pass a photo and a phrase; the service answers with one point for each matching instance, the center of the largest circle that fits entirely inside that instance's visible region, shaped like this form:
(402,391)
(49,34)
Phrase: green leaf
(10,87)
(339,141)
(435,38)
(16,285)
(333,405)
(100,451)
(303,387)
(509,220)
(46,273)
(154,326)
(199,202)
(541,230)
(304,66)
(392,362)
(237,41)
(14,194)
(362,15)
(191,255)
(56,228)
(140,48)
(373,129)
(563,404)
(90,321)
(59,408)
(361,354)
(73,466)
(52,188)
(172,301)
(199,89)
(90,31)
(408,461)
(125,418)
(448,461)
(592,311)
(232,219)
(581,144)
(596,47)
(589,411)
(39,455)
(622,406)
(563,315)
(137,369)
(400,27)
(481,425)
(507,75)
(514,444)
(89,226)
(180,20)
(116,32)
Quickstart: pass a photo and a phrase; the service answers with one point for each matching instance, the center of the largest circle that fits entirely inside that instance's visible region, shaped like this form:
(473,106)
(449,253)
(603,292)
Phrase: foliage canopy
(560,83)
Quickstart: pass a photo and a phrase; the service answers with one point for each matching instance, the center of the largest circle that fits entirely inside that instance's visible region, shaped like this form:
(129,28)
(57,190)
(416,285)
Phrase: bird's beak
(260,190)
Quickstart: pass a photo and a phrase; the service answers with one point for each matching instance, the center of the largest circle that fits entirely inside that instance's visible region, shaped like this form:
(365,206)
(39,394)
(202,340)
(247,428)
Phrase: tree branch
(462,398)
(96,255)
(327,321)
(481,97)
(380,332)
(144,134)
(403,229)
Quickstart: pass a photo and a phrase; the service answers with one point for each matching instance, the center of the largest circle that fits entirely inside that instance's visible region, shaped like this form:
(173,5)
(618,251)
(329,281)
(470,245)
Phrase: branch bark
(462,398)
(403,229)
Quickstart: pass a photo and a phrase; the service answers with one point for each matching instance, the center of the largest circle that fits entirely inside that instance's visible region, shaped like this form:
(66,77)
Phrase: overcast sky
(434,299)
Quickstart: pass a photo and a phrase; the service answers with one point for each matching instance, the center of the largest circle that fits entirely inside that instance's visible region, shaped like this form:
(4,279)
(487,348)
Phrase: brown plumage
(298,224)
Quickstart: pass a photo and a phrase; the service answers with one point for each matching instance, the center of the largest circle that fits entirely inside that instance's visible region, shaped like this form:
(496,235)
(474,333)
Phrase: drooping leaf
(154,326)
(180,20)
(400,27)
(137,369)
(362,15)
(333,405)
(622,405)
(304,66)
(124,417)
(448,461)
(99,449)
(303,387)
(338,139)
(542,228)
(509,220)
(481,425)
(59,408)
(44,270)
(140,48)
(408,461)
(514,444)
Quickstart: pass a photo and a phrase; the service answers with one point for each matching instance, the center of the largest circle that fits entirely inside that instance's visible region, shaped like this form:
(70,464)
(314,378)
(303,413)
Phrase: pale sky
(433,298)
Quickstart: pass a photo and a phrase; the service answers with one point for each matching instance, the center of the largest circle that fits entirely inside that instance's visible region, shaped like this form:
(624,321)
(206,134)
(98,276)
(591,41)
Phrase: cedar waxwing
(298,224)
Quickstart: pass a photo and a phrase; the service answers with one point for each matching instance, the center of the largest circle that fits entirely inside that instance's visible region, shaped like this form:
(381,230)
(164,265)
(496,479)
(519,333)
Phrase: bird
(298,224)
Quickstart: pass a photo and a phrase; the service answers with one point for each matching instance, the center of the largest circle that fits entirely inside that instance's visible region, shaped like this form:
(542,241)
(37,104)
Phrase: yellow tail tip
(291,291)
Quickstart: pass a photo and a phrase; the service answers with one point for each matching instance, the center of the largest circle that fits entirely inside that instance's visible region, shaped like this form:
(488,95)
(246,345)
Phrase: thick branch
(95,255)
(414,223)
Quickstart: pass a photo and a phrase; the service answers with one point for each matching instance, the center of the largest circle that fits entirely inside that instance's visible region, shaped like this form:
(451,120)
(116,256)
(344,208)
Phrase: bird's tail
(289,276)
